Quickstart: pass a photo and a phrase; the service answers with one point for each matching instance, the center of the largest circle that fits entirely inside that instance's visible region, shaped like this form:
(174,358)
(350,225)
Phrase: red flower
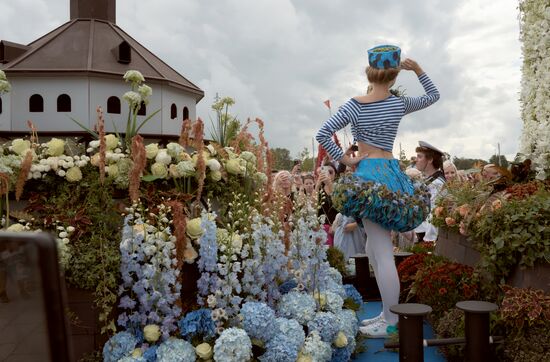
(442,291)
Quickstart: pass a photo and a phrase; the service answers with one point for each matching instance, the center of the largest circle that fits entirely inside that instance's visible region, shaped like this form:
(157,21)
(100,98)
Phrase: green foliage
(518,233)
(499,161)
(350,304)
(95,257)
(336,260)
(467,163)
(451,325)
(281,159)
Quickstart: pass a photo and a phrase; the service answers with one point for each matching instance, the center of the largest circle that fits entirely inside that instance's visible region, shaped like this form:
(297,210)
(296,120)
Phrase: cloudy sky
(280,59)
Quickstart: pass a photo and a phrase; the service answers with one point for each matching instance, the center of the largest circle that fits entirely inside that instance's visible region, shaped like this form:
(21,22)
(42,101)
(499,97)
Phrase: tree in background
(462,163)
(226,127)
(307,161)
(281,159)
(500,161)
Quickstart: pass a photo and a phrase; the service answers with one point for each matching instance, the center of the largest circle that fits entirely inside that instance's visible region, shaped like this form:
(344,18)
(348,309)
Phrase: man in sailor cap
(429,160)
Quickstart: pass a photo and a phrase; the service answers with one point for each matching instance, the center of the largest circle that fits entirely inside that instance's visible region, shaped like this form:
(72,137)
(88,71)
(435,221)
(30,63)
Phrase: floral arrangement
(150,285)
(441,283)
(535,88)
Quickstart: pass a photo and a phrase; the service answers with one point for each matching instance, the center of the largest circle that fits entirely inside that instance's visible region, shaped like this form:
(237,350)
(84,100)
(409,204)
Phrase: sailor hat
(425,144)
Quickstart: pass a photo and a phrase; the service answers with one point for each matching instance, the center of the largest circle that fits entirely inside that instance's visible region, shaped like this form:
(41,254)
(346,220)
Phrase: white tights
(380,254)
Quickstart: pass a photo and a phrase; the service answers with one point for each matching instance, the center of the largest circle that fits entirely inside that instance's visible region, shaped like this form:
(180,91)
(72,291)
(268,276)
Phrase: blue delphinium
(292,329)
(298,306)
(150,354)
(150,285)
(176,350)
(233,345)
(197,323)
(287,286)
(118,346)
(326,324)
(258,320)
(280,349)
(353,294)
(316,348)
(208,259)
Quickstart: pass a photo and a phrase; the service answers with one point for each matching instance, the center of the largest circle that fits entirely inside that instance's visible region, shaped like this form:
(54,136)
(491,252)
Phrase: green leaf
(94,134)
(150,178)
(146,120)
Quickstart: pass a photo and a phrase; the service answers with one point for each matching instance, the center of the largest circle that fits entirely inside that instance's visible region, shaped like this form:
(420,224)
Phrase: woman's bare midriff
(373,152)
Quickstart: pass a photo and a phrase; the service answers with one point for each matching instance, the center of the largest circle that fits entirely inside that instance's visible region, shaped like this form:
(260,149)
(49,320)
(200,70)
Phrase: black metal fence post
(476,325)
(411,336)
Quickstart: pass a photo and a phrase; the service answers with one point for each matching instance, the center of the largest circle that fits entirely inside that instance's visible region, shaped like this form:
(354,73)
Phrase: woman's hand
(409,64)
(350,227)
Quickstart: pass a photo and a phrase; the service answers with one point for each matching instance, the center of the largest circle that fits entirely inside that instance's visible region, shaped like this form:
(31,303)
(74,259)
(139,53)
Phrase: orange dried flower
(139,158)
(184,134)
(180,225)
(23,174)
(198,130)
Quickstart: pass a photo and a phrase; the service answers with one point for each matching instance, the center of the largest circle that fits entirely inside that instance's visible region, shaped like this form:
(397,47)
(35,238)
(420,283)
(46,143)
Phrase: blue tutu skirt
(382,193)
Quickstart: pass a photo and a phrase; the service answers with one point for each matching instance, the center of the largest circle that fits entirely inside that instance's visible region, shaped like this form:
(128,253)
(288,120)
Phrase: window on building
(36,103)
(173,111)
(124,53)
(185,113)
(142,111)
(0,105)
(113,105)
(64,103)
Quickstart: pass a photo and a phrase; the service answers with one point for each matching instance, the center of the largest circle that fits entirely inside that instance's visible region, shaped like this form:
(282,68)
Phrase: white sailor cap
(425,144)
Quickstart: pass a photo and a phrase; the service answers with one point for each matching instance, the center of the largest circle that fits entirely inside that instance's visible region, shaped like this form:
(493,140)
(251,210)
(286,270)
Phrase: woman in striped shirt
(379,193)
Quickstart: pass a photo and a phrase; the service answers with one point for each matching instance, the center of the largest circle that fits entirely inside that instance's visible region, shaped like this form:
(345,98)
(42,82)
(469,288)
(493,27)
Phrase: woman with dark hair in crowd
(379,193)
(324,188)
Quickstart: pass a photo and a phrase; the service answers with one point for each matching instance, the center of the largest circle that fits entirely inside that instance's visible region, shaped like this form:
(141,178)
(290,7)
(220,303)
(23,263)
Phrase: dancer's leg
(381,253)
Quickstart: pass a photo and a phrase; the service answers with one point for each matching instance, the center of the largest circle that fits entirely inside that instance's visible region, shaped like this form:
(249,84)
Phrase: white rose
(186,168)
(73,174)
(261,177)
(163,157)
(194,228)
(159,169)
(248,156)
(233,167)
(111,141)
(16,228)
(20,146)
(174,149)
(56,147)
(151,333)
(213,164)
(151,150)
(216,176)
(204,351)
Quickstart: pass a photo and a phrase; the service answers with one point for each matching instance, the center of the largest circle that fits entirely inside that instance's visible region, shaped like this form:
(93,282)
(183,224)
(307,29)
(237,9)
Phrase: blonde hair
(280,175)
(381,76)
(448,163)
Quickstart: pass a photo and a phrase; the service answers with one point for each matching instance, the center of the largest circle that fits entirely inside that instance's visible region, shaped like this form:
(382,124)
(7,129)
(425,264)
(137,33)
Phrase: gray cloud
(281,59)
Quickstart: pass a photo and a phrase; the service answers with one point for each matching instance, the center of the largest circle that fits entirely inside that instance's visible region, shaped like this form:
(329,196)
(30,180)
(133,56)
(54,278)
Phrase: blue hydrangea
(176,350)
(334,302)
(353,294)
(287,286)
(341,354)
(298,306)
(132,359)
(150,354)
(233,345)
(258,320)
(291,329)
(118,346)
(280,349)
(348,323)
(316,348)
(197,323)
(326,324)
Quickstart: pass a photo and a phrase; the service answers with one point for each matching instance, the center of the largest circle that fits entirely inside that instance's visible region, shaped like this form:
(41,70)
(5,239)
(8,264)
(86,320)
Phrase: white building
(79,66)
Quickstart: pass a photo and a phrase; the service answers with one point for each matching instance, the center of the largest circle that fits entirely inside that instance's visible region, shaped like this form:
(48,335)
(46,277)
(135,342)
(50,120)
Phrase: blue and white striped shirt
(374,123)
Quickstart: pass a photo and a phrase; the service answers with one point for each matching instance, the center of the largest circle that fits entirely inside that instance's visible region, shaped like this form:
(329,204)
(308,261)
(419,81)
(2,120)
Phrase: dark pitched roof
(90,46)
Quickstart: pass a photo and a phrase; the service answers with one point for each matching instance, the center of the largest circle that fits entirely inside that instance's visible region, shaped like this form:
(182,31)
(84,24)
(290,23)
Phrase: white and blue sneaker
(379,329)
(370,321)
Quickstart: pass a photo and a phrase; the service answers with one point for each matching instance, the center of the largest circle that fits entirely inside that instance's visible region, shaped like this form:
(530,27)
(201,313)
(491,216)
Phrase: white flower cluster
(535,93)
(4,84)
(63,247)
